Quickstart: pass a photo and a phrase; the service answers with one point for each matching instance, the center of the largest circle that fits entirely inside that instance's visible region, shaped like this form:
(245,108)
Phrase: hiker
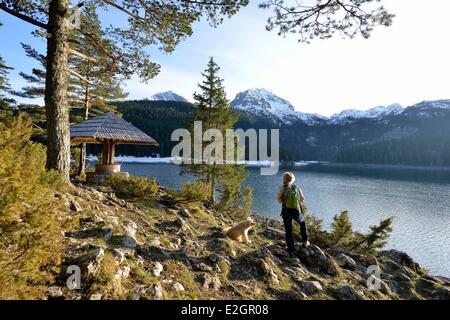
(292,201)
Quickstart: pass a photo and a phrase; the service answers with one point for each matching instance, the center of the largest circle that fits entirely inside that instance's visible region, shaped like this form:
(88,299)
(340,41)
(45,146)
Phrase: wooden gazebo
(109,130)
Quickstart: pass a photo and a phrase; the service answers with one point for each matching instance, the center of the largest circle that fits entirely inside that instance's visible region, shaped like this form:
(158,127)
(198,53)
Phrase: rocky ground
(168,249)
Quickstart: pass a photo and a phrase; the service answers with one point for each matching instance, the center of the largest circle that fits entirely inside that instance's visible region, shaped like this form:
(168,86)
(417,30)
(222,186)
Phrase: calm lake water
(418,199)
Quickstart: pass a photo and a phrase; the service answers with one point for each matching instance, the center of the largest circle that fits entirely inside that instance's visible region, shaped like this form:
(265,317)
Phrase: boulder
(88,262)
(426,286)
(314,257)
(310,287)
(372,260)
(263,267)
(346,292)
(345,261)
(401,258)
(123,241)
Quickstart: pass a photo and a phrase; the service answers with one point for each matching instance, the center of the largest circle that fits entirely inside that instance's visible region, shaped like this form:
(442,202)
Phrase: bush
(194,191)
(133,187)
(30,231)
(342,231)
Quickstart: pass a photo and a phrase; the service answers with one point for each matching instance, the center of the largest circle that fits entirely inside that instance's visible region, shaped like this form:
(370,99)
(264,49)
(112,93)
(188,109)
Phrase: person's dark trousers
(290,215)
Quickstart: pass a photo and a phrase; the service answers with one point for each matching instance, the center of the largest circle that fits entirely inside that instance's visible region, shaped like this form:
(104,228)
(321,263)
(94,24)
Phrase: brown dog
(240,231)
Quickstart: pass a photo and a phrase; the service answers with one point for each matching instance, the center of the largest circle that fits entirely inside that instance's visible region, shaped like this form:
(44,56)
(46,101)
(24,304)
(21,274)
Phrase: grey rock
(130,228)
(274,277)
(54,292)
(183,212)
(426,286)
(156,291)
(178,287)
(345,261)
(391,266)
(314,257)
(96,296)
(289,271)
(346,292)
(203,267)
(123,241)
(205,280)
(310,287)
(158,269)
(371,260)
(401,258)
(216,283)
(75,206)
(123,273)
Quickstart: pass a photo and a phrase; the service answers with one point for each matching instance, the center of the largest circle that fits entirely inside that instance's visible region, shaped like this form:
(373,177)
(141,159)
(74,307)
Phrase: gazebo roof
(109,126)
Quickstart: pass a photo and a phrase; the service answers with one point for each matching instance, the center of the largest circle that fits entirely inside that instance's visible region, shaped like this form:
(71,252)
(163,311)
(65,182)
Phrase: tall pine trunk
(82,164)
(56,106)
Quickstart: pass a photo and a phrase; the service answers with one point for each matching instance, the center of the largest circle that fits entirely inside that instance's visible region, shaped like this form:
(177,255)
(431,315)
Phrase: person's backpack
(291,197)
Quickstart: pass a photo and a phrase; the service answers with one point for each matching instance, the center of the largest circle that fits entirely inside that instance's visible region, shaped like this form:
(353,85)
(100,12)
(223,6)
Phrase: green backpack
(291,197)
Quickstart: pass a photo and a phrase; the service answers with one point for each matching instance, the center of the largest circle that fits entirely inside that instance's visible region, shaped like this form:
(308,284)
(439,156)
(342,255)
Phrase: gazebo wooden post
(112,151)
(106,152)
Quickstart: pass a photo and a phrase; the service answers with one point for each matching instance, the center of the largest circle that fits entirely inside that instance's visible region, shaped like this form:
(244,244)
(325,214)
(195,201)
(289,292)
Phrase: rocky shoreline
(169,249)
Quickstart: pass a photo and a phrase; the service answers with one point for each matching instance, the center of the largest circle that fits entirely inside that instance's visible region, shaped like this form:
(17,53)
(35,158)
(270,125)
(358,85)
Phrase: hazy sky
(406,63)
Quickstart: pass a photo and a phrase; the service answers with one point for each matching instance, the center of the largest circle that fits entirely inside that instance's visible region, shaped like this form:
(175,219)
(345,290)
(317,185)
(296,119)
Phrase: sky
(405,63)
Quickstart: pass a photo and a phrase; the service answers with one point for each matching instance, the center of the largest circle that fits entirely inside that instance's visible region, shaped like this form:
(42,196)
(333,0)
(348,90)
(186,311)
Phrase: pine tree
(5,102)
(212,109)
(379,234)
(342,232)
(92,85)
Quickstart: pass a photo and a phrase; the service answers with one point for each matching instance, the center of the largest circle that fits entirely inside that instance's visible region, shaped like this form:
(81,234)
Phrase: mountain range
(414,135)
(265,103)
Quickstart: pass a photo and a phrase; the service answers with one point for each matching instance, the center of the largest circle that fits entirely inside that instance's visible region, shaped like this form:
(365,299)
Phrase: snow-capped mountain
(265,103)
(379,112)
(166,96)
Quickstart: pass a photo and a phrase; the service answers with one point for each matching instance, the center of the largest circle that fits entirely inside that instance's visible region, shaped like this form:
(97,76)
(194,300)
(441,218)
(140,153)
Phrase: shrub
(376,239)
(194,191)
(342,232)
(133,187)
(30,231)
(316,233)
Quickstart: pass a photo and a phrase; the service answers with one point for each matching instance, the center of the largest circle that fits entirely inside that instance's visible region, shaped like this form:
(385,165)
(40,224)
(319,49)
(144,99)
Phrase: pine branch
(22,16)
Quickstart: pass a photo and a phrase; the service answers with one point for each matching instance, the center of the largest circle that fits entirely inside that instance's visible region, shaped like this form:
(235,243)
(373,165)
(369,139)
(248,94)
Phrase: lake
(418,199)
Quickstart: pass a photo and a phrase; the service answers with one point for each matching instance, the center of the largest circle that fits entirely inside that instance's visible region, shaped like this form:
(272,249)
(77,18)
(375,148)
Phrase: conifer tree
(379,234)
(5,102)
(342,232)
(212,109)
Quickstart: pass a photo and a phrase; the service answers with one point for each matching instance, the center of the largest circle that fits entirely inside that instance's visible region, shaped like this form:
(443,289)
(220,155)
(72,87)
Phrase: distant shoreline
(382,166)
(296,164)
